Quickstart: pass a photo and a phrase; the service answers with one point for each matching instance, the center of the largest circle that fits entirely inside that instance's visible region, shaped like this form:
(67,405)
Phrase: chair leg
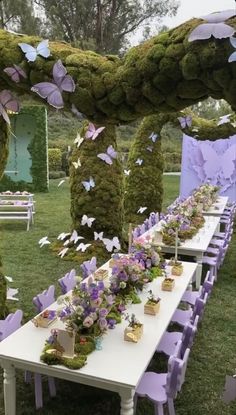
(52,386)
(135,403)
(171,407)
(159,409)
(27,376)
(38,391)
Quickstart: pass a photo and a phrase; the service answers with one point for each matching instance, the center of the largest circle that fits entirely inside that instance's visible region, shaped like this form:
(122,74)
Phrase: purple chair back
(11,323)
(68,282)
(199,308)
(45,299)
(188,336)
(88,267)
(176,374)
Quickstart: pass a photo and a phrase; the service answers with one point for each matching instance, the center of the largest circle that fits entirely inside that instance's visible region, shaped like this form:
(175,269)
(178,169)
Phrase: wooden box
(167,284)
(101,274)
(133,334)
(151,308)
(177,270)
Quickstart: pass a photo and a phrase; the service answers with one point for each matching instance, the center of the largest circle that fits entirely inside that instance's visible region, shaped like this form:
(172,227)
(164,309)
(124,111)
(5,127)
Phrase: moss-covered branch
(166,73)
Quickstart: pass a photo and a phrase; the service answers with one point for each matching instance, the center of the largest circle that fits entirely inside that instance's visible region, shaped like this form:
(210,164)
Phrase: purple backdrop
(213,161)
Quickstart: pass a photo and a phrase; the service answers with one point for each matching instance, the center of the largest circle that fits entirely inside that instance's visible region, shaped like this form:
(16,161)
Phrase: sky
(189,9)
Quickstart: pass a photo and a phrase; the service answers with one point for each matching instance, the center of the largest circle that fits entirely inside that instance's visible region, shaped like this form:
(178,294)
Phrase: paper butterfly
(77,163)
(88,184)
(232,57)
(31,53)
(88,267)
(78,114)
(44,241)
(63,252)
(75,237)
(109,155)
(229,393)
(52,91)
(92,132)
(11,292)
(78,140)
(62,236)
(15,73)
(215,27)
(139,162)
(224,119)
(218,165)
(82,247)
(87,221)
(154,137)
(150,148)
(110,244)
(7,102)
(60,183)
(98,236)
(185,121)
(127,172)
(141,209)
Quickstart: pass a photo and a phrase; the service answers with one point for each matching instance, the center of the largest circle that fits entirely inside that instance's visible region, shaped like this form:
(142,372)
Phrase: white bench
(26,212)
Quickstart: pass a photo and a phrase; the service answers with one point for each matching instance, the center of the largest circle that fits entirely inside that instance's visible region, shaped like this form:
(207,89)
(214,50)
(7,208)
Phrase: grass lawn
(33,269)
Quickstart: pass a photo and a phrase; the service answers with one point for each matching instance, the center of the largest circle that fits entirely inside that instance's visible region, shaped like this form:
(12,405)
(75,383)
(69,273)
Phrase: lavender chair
(42,301)
(11,323)
(162,388)
(183,316)
(68,282)
(169,340)
(190,297)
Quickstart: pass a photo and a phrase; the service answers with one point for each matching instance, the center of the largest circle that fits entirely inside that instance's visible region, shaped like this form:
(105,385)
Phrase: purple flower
(103,312)
(111,323)
(102,323)
(121,308)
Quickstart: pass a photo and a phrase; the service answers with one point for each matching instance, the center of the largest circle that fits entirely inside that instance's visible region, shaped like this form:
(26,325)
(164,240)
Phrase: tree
(104,23)
(19,15)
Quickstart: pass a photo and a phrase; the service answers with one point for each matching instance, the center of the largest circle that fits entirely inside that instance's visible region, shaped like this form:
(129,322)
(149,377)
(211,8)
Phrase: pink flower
(88,322)
(97,302)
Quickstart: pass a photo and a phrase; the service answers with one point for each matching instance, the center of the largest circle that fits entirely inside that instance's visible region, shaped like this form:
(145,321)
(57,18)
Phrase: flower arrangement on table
(149,256)
(89,312)
(206,194)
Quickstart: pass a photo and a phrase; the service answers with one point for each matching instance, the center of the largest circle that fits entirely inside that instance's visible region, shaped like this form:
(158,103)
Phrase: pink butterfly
(185,121)
(109,155)
(52,91)
(15,73)
(92,132)
(7,103)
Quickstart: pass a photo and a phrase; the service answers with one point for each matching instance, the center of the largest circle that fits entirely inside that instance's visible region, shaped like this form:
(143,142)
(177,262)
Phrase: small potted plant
(177,267)
(152,305)
(101,274)
(168,284)
(45,319)
(134,330)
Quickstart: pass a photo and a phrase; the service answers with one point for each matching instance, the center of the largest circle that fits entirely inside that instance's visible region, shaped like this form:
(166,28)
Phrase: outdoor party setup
(135,295)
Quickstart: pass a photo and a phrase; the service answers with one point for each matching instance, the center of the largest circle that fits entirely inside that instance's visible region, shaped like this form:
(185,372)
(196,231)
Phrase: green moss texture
(3,293)
(104,202)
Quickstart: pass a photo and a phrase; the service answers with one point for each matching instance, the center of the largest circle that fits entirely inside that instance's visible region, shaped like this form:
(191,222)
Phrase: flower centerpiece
(128,276)
(134,330)
(152,305)
(149,256)
(206,194)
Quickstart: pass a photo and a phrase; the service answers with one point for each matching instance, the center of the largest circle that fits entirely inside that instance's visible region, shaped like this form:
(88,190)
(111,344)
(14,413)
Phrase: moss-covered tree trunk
(104,202)
(143,185)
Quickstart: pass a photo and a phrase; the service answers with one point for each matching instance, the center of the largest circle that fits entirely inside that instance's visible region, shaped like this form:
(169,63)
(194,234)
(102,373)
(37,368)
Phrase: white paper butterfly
(139,162)
(110,244)
(127,172)
(82,247)
(98,236)
(78,140)
(62,236)
(141,209)
(87,221)
(75,237)
(31,53)
(88,184)
(77,163)
(60,183)
(44,241)
(63,252)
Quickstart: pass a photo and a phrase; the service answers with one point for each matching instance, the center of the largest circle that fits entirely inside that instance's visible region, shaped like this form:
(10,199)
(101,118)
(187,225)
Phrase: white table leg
(127,402)
(9,385)
(199,272)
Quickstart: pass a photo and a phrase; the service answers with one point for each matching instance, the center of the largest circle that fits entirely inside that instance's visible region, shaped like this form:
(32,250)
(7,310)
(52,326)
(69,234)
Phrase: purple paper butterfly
(232,57)
(185,121)
(52,91)
(224,119)
(215,27)
(216,165)
(109,155)
(7,102)
(31,53)
(15,73)
(92,132)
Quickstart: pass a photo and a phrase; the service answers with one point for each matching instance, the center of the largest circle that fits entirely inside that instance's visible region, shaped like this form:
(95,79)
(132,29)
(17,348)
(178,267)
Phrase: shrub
(56,174)
(54,159)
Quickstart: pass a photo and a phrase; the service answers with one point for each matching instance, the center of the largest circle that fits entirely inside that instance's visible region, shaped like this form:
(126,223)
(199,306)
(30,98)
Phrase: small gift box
(133,334)
(101,274)
(168,284)
(151,307)
(177,270)
(45,319)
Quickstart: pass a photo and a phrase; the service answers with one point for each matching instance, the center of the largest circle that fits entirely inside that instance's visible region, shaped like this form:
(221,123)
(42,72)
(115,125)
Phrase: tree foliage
(19,15)
(102,24)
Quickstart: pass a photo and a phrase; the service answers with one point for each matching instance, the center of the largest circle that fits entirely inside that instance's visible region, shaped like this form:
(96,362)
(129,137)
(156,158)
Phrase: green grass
(33,269)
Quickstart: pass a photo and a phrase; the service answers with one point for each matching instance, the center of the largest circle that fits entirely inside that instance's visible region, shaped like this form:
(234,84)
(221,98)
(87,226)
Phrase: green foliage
(56,174)
(54,159)
(104,201)
(4,137)
(3,293)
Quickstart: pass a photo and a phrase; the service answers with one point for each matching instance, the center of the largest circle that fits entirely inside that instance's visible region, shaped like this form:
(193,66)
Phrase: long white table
(194,247)
(218,207)
(17,210)
(117,367)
